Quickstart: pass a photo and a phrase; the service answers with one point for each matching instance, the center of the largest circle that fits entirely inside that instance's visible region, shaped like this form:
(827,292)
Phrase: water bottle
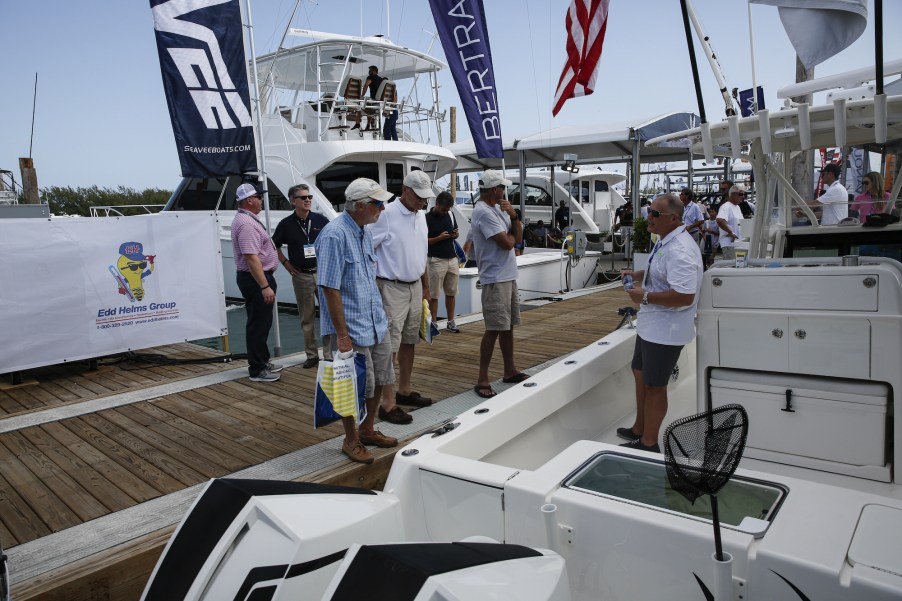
(627,282)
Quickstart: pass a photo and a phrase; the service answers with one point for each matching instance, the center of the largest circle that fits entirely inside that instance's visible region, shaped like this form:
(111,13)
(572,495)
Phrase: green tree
(78,201)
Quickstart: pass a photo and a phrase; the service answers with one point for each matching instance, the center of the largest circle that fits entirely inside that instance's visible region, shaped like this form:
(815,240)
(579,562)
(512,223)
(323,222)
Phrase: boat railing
(116,210)
(8,188)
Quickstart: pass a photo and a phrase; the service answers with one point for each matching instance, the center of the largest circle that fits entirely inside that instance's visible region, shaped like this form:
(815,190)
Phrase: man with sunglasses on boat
(496,229)
(299,231)
(667,292)
(401,242)
(255,263)
(351,313)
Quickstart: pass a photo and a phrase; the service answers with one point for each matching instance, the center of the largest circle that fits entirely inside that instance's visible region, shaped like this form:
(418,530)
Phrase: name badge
(309,251)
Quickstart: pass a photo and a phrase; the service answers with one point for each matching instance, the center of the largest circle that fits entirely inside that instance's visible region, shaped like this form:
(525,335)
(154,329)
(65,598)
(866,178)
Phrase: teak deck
(76,445)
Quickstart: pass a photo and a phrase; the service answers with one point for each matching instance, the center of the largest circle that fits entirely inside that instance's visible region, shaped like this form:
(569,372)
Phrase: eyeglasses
(738,194)
(136,266)
(656,213)
(377,203)
(302,198)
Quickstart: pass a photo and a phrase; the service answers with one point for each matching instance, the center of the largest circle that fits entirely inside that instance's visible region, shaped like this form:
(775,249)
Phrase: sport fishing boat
(311,97)
(807,338)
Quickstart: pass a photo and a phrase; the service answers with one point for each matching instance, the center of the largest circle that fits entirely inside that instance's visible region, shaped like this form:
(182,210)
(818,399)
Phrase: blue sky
(102,119)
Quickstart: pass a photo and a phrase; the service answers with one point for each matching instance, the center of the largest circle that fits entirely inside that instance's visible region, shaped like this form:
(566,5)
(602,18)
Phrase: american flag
(586,24)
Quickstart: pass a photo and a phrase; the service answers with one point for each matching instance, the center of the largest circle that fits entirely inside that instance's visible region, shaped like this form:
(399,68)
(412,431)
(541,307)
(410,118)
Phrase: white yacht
(807,337)
(310,95)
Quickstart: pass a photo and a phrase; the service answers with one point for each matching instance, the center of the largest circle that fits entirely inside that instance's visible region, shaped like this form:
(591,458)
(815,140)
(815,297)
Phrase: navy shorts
(655,361)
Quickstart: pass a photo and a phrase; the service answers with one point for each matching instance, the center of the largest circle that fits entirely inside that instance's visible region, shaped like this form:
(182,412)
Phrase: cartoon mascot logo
(131,269)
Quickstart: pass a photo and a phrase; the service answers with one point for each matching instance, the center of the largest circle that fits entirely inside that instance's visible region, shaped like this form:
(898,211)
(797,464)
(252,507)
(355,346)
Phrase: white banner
(77,288)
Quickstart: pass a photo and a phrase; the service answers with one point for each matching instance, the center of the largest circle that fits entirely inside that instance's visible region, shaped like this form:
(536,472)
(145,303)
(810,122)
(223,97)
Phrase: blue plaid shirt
(346,262)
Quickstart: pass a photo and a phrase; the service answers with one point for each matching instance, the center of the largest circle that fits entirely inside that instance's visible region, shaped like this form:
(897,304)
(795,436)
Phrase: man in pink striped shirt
(255,262)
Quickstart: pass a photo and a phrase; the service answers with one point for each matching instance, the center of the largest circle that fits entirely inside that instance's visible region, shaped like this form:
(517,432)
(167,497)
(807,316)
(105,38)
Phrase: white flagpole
(261,162)
(752,55)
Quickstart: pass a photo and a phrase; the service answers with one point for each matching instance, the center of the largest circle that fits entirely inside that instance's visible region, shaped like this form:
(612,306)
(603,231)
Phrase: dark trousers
(389,128)
(259,320)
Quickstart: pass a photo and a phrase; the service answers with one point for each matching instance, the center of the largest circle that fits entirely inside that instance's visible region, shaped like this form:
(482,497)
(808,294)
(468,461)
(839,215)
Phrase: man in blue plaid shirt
(351,313)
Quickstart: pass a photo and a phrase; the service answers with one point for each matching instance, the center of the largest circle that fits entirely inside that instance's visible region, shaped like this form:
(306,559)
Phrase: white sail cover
(818,29)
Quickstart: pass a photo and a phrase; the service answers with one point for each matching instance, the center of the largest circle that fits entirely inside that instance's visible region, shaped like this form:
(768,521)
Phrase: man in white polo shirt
(728,218)
(667,292)
(401,241)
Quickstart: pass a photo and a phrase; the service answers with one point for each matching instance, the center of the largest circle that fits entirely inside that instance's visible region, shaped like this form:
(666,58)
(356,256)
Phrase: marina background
(101,115)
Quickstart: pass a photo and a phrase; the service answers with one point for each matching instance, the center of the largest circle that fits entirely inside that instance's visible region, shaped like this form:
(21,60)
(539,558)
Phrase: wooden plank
(66,488)
(21,521)
(135,487)
(99,487)
(54,514)
(176,470)
(122,455)
(232,457)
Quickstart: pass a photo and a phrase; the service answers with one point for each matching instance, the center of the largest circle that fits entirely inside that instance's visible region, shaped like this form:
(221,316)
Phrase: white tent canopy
(603,143)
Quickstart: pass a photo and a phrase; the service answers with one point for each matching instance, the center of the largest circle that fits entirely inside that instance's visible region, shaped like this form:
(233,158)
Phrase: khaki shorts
(379,368)
(500,305)
(404,309)
(443,274)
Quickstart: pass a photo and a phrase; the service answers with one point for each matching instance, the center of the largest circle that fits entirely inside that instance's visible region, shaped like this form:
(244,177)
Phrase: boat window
(394,177)
(535,196)
(333,180)
(645,481)
(584,192)
(601,186)
(202,194)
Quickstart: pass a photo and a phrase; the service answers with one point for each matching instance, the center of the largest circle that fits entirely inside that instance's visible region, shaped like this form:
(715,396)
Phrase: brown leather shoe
(395,416)
(413,398)
(378,439)
(357,453)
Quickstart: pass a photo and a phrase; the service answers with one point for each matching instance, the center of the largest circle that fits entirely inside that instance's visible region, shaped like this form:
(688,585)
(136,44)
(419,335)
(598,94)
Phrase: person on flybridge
(667,292)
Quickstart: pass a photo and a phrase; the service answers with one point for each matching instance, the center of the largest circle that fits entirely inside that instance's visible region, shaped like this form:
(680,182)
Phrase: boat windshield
(212,193)
(645,481)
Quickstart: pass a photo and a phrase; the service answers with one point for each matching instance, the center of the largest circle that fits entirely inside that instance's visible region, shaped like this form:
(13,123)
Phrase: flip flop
(484,392)
(515,379)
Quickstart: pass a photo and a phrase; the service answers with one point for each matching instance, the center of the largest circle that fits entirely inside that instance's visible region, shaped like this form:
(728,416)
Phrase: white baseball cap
(363,187)
(492,178)
(420,183)
(246,191)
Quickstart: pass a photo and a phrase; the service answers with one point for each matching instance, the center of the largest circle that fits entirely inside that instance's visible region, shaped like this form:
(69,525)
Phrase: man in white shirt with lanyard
(667,292)
(401,242)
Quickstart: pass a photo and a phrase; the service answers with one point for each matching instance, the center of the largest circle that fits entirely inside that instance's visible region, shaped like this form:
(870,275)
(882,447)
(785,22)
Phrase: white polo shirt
(836,204)
(675,264)
(401,241)
(732,214)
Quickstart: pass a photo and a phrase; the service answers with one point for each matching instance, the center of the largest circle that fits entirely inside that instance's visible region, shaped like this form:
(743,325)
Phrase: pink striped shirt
(249,237)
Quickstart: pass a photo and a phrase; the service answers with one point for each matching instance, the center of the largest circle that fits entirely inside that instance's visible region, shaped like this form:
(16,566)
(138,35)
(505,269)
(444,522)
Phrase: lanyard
(301,225)
(650,259)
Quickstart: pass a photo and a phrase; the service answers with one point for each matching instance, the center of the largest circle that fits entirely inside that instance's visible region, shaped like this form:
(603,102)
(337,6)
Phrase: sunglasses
(302,197)
(656,213)
(377,203)
(136,266)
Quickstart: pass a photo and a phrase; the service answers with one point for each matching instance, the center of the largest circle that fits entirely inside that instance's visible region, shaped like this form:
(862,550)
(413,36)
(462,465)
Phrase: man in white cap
(255,262)
(729,216)
(495,229)
(401,240)
(351,312)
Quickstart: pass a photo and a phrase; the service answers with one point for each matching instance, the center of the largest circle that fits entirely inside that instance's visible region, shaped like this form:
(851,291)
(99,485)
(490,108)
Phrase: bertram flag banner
(462,28)
(202,59)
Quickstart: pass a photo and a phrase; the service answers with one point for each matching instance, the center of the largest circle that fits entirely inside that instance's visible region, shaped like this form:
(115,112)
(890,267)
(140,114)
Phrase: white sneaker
(265,376)
(274,368)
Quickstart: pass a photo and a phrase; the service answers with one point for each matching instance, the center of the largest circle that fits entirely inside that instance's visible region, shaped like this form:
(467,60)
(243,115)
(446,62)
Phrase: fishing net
(702,451)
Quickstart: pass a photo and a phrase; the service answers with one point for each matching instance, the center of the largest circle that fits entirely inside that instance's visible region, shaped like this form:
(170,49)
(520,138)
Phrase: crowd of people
(372,270)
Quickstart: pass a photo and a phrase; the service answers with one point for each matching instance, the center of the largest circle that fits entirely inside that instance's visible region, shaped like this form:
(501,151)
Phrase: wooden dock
(96,459)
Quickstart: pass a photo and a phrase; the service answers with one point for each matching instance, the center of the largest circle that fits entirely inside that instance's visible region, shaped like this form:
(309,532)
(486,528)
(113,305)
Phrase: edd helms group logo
(131,268)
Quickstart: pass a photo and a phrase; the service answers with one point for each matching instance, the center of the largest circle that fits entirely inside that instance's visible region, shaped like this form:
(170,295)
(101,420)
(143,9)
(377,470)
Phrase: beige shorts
(379,368)
(404,309)
(443,274)
(500,305)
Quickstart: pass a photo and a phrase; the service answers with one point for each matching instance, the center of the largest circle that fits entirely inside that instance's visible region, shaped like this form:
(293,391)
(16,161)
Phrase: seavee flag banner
(465,38)
(204,70)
